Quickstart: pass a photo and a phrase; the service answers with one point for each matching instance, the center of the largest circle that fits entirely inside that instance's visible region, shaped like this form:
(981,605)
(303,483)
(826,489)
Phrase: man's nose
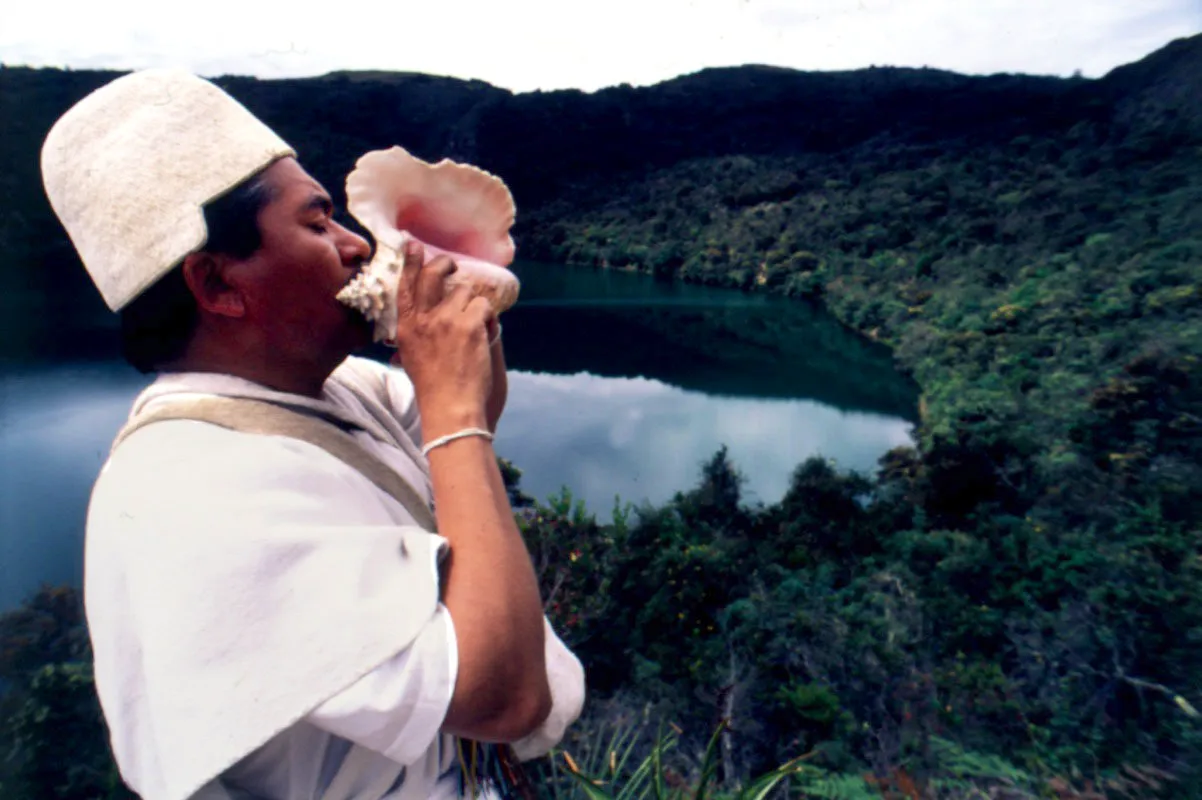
(352,246)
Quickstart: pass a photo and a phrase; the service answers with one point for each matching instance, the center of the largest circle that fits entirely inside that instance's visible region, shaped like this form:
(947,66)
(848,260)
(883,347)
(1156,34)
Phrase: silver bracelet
(497,337)
(450,437)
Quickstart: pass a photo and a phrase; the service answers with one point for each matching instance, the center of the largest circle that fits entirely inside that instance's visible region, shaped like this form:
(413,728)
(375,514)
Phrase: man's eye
(318,227)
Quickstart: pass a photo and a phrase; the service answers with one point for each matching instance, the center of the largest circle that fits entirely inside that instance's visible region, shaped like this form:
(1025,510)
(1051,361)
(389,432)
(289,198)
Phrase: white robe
(265,620)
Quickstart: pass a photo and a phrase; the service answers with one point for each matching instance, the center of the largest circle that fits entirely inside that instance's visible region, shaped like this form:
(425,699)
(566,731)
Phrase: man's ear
(205,274)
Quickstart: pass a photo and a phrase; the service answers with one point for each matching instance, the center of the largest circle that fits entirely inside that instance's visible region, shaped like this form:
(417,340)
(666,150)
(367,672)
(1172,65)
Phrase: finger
(431,282)
(481,309)
(458,296)
(412,254)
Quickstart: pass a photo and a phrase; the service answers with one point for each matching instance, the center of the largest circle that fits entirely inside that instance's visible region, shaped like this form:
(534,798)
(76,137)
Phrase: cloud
(644,440)
(546,44)
(984,36)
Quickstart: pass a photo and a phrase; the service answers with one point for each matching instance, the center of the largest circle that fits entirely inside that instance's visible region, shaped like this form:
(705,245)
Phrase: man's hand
(442,344)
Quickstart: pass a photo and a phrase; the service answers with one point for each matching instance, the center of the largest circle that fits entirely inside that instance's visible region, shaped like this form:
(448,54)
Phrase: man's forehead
(289,178)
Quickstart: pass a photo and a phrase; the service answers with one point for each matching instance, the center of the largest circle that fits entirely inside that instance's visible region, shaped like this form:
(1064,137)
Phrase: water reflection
(633,437)
(714,341)
(55,430)
(645,440)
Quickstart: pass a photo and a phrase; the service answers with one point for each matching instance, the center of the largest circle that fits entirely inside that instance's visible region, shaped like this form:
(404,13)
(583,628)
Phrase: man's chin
(362,329)
(363,334)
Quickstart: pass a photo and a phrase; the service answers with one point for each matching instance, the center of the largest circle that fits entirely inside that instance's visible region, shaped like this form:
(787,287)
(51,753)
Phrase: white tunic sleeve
(398,708)
(565,676)
(233,584)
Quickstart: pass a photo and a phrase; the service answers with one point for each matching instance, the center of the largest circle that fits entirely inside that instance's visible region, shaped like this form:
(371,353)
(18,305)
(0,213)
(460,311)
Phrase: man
(267,621)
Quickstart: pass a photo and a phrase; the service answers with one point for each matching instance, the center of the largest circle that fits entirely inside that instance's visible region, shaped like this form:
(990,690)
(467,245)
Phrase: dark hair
(157,326)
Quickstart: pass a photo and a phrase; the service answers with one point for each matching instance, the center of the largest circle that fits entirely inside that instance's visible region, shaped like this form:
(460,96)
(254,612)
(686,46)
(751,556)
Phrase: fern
(954,761)
(822,785)
(648,779)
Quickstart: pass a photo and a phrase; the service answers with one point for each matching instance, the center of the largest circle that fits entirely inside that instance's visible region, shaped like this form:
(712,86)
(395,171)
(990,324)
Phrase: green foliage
(943,608)
(810,702)
(512,478)
(1025,582)
(47,629)
(571,554)
(608,753)
(55,741)
(652,777)
(825,786)
(58,738)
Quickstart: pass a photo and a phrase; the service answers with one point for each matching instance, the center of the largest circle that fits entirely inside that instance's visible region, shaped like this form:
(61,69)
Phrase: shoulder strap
(262,417)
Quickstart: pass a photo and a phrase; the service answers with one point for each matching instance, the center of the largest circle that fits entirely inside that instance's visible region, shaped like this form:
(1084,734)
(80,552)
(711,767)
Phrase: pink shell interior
(452,208)
(429,225)
(455,207)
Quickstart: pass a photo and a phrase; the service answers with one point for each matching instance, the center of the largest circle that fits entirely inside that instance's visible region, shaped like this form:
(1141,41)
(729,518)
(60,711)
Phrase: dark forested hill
(547,143)
(1159,93)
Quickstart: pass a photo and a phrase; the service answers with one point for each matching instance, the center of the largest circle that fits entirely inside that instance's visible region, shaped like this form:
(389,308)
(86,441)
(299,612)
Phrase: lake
(620,387)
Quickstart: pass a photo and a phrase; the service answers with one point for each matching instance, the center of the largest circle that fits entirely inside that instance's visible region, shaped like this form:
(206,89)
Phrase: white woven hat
(129,167)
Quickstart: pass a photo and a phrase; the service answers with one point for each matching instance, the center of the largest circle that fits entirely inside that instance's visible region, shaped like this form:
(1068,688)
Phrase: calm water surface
(620,386)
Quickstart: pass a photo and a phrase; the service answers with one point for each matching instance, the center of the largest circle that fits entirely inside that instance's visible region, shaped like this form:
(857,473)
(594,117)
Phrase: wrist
(465,433)
(444,421)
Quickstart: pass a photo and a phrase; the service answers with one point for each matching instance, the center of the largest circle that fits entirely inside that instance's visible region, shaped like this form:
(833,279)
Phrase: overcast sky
(588,44)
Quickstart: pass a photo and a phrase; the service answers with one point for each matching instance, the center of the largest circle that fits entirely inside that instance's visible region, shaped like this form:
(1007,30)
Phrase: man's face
(306,257)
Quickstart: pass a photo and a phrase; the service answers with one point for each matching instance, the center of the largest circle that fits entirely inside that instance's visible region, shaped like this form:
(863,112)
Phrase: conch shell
(451,208)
